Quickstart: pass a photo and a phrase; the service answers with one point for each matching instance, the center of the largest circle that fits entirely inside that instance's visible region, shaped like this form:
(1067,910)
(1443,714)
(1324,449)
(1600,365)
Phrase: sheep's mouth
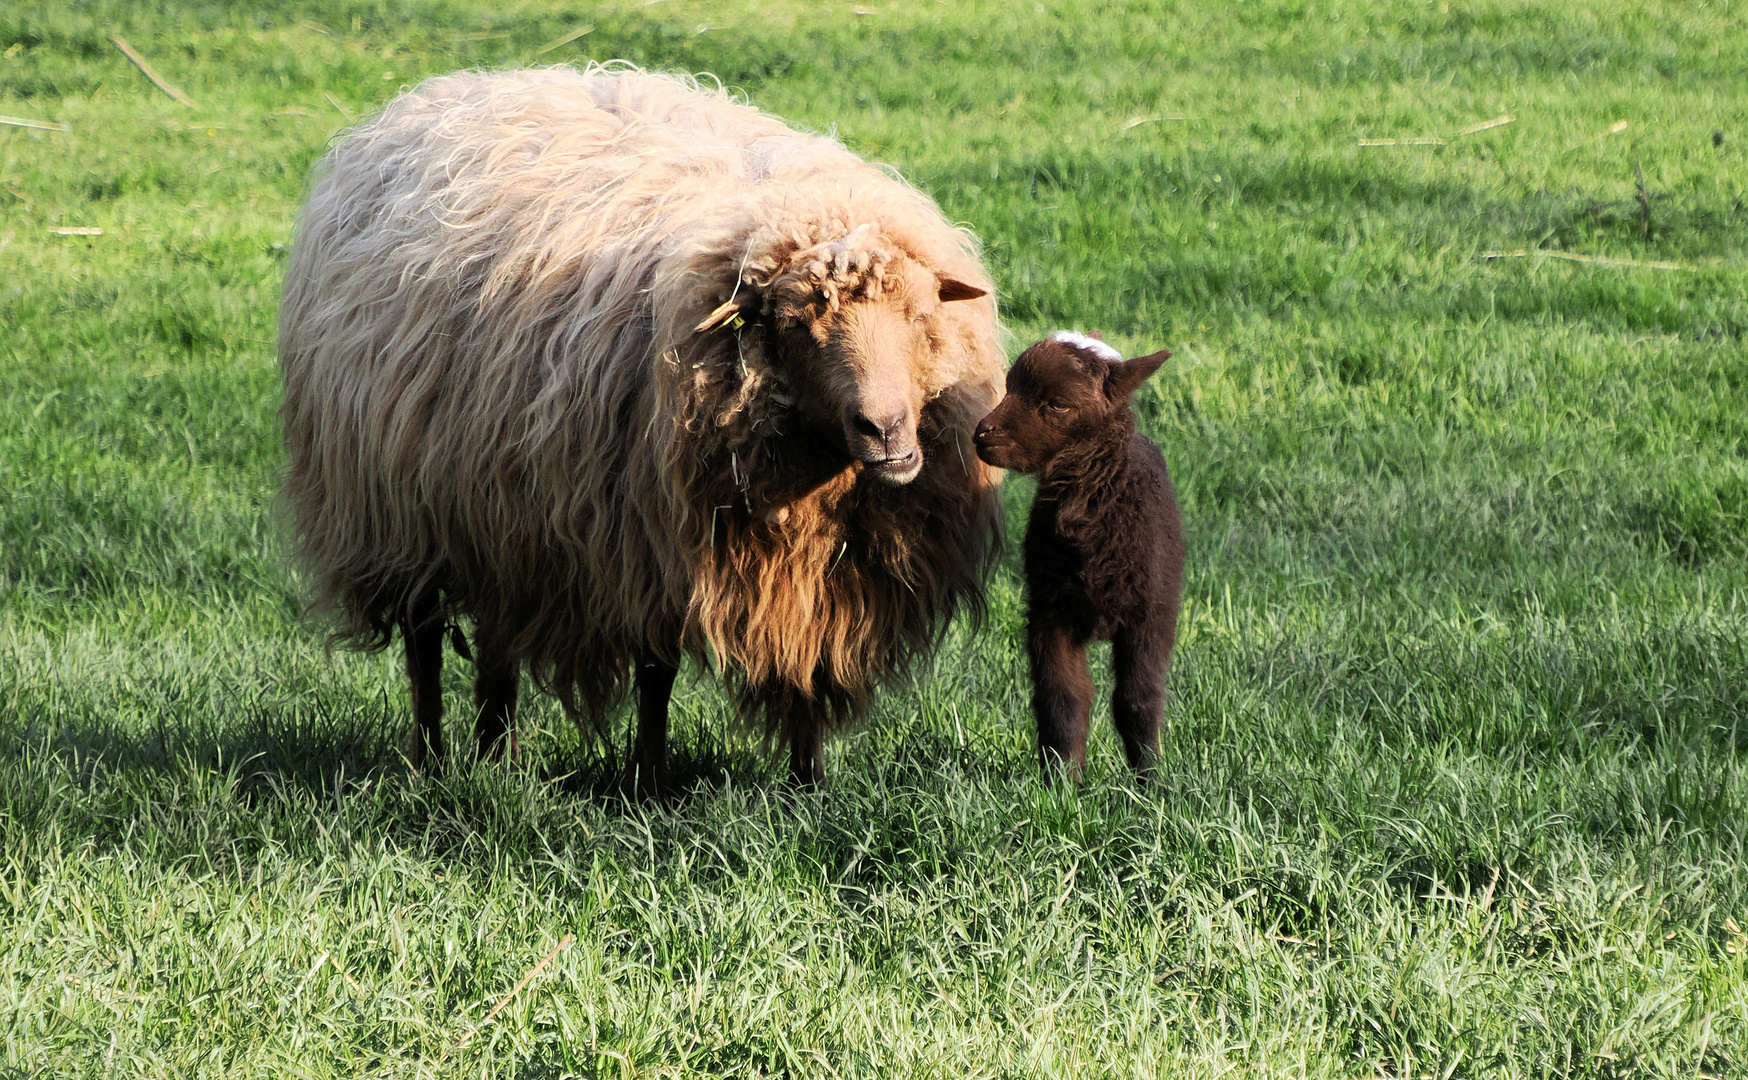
(899,468)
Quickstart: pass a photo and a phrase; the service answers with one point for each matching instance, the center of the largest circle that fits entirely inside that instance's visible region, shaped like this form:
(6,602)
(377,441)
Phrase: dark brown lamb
(1104,548)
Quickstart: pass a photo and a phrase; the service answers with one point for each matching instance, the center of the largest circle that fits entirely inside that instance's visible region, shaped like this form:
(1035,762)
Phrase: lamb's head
(856,325)
(1060,391)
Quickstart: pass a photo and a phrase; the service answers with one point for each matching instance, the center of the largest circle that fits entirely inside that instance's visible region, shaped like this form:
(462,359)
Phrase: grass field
(1456,769)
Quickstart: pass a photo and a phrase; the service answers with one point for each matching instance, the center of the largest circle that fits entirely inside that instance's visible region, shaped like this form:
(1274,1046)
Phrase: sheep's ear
(731,313)
(954,289)
(1127,375)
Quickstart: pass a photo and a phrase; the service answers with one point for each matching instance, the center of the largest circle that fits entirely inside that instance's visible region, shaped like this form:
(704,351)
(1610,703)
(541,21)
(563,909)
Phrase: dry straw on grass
(105,993)
(157,80)
(564,40)
(1433,140)
(340,108)
(344,974)
(19,121)
(1424,140)
(1594,260)
(533,973)
(1487,125)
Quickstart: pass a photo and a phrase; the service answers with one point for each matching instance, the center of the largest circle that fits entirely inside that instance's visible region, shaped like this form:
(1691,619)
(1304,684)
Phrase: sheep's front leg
(496,685)
(422,635)
(807,750)
(1139,661)
(1062,693)
(647,773)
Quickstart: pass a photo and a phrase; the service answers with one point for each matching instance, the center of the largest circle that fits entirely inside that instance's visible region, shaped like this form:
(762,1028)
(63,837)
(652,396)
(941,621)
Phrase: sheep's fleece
(495,388)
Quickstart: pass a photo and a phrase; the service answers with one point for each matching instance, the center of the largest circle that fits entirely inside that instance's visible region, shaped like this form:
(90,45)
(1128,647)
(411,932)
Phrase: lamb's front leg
(1062,693)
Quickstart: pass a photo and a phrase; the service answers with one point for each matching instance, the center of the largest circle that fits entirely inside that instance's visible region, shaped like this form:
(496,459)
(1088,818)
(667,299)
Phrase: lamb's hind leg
(647,773)
(1139,661)
(1062,693)
(422,635)
(497,682)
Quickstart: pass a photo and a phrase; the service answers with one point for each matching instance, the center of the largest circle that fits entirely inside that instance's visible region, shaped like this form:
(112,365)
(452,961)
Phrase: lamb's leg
(1062,693)
(647,774)
(422,634)
(1139,661)
(497,681)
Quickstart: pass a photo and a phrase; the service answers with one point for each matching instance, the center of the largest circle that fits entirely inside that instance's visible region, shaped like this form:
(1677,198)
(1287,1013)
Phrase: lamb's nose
(983,431)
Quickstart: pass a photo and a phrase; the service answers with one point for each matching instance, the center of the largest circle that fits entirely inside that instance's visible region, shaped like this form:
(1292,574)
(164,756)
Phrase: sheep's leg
(1062,693)
(647,773)
(806,749)
(422,634)
(496,683)
(1139,661)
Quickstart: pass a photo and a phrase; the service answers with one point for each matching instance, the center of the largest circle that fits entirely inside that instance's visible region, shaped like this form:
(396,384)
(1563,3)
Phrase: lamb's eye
(1055,408)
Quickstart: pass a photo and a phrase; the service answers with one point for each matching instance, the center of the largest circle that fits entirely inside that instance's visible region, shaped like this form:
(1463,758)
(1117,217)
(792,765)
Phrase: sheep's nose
(884,430)
(983,431)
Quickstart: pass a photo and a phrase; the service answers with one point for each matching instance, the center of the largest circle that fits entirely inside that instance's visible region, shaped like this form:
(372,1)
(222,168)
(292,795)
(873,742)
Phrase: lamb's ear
(1126,376)
(730,313)
(954,289)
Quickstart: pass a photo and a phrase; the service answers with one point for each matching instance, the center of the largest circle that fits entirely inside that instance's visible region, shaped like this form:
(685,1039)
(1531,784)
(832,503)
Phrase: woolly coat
(494,388)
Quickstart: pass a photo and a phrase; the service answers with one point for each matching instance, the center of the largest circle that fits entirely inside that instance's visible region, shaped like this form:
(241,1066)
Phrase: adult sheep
(621,370)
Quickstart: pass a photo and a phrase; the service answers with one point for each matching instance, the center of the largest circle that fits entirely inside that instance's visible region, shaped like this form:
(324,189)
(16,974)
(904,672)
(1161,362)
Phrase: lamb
(619,371)
(1104,552)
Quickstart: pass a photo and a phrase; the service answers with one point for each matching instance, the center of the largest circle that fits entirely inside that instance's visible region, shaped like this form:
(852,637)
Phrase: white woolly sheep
(620,370)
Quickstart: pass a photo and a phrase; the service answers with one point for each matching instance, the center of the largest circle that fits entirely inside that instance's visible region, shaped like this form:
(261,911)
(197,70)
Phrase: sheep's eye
(1055,408)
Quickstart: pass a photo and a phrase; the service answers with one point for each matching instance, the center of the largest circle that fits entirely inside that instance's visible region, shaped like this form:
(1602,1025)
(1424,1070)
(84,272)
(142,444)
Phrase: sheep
(1104,551)
(620,370)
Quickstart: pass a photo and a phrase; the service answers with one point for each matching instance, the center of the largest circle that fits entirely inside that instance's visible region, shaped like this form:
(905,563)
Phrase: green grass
(1456,768)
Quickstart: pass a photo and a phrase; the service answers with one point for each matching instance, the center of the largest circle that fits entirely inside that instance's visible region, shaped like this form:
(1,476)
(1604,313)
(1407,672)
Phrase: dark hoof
(503,748)
(644,785)
(421,763)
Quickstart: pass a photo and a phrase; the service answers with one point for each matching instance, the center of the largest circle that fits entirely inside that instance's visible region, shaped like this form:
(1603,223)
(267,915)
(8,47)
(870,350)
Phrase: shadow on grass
(306,750)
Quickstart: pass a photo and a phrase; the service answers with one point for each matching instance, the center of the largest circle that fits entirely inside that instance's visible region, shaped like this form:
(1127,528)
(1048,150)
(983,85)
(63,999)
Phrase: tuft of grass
(1454,781)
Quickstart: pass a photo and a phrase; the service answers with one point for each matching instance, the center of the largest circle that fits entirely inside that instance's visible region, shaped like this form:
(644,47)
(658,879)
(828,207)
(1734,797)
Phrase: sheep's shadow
(292,747)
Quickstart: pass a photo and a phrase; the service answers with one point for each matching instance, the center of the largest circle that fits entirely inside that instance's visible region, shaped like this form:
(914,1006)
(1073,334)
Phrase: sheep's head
(856,325)
(1059,391)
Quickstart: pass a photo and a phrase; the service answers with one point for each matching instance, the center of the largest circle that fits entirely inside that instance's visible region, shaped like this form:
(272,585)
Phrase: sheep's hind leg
(647,773)
(422,634)
(495,687)
(1062,693)
(1139,664)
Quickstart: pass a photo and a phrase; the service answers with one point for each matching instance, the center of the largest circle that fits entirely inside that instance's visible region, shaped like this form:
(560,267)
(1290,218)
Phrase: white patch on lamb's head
(1090,344)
